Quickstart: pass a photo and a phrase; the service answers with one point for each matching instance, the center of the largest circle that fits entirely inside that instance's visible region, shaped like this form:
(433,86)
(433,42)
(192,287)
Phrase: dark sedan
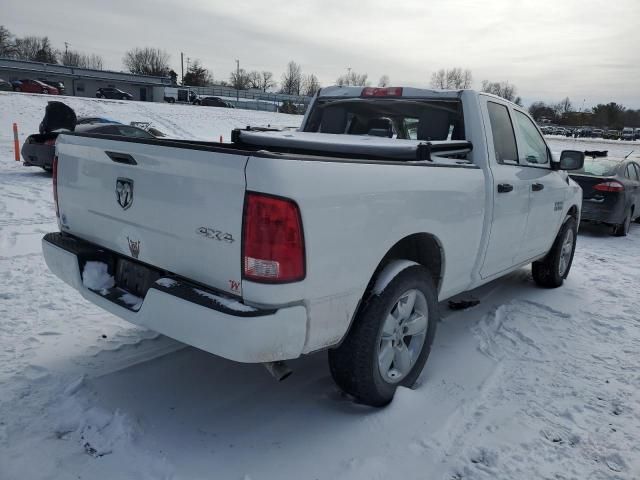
(215,102)
(610,192)
(5,86)
(115,93)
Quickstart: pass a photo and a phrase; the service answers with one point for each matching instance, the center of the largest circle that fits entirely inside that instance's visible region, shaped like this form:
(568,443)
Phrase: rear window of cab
(599,167)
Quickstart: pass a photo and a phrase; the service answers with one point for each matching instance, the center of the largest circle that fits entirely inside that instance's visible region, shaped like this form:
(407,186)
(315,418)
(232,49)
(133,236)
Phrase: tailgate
(175,207)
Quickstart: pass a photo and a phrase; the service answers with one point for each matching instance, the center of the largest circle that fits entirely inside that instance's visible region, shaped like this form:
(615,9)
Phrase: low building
(83,82)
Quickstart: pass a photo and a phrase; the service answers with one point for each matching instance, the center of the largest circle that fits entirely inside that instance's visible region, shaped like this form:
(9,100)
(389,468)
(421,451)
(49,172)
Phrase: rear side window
(504,138)
(631,172)
(637,167)
(535,150)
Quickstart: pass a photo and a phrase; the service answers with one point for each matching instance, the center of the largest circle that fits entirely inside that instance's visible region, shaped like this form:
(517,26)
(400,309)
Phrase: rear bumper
(38,155)
(607,211)
(171,308)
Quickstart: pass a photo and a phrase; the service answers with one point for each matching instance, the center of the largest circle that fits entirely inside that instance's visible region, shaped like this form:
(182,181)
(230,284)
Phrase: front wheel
(551,271)
(390,339)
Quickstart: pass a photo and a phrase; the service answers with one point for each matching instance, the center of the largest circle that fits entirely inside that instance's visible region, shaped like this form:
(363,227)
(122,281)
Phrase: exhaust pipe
(278,370)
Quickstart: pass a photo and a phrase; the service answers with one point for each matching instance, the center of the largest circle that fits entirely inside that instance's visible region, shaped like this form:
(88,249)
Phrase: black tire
(354,364)
(48,169)
(45,91)
(622,229)
(18,89)
(547,272)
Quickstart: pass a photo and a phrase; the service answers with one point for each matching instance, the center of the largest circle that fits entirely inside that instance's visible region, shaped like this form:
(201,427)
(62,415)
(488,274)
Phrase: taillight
(609,187)
(54,177)
(381,92)
(273,241)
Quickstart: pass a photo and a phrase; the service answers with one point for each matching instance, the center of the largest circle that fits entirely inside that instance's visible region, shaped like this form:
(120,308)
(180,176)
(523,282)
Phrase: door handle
(121,158)
(504,187)
(536,187)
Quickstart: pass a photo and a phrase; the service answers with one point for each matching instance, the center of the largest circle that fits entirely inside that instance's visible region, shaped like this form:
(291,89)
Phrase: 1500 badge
(214,234)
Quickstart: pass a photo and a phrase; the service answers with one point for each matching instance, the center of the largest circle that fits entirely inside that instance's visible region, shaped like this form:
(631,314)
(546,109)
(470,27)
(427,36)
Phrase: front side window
(534,149)
(504,139)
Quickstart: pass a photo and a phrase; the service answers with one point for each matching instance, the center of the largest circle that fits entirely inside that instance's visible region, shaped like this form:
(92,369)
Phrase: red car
(34,86)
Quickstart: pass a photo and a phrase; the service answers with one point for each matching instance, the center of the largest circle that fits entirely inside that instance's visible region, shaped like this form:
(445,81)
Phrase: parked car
(637,133)
(628,134)
(33,86)
(597,133)
(113,93)
(215,102)
(611,135)
(38,150)
(5,86)
(611,191)
(58,85)
(344,235)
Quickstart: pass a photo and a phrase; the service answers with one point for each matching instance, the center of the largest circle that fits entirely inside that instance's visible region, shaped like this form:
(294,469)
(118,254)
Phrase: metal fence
(252,99)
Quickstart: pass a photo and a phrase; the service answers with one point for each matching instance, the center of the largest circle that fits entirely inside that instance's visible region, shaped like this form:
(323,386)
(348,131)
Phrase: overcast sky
(585,49)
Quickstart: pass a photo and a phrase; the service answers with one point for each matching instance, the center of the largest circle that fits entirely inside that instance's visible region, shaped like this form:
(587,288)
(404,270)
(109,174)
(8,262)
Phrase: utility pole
(66,48)
(237,81)
(182,66)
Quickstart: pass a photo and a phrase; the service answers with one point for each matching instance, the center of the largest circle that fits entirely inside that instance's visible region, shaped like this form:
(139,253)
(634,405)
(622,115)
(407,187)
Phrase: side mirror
(571,160)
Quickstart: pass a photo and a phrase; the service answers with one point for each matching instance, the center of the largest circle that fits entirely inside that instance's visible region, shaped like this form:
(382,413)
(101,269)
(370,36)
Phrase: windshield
(399,118)
(599,167)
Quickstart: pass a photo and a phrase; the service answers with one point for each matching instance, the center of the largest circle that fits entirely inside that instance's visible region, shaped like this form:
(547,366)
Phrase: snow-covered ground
(529,384)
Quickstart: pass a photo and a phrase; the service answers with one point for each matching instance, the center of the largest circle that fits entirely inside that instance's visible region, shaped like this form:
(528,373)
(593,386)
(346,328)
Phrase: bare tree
(7,43)
(455,78)
(239,79)
(310,85)
(384,81)
(255,80)
(93,61)
(147,61)
(505,90)
(439,79)
(38,49)
(352,78)
(260,80)
(267,81)
(292,79)
(71,58)
(563,107)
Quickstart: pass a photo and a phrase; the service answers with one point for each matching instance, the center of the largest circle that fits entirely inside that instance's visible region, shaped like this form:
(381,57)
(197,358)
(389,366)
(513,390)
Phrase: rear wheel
(390,340)
(622,229)
(18,89)
(45,91)
(551,271)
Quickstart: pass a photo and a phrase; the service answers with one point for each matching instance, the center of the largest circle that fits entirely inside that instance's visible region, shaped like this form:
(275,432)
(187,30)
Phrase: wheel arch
(422,248)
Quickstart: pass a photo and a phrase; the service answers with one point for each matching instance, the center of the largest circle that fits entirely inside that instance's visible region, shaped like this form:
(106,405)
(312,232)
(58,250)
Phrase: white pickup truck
(341,235)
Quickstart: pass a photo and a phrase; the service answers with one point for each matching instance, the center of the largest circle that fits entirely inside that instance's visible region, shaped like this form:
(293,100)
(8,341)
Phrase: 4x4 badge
(124,192)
